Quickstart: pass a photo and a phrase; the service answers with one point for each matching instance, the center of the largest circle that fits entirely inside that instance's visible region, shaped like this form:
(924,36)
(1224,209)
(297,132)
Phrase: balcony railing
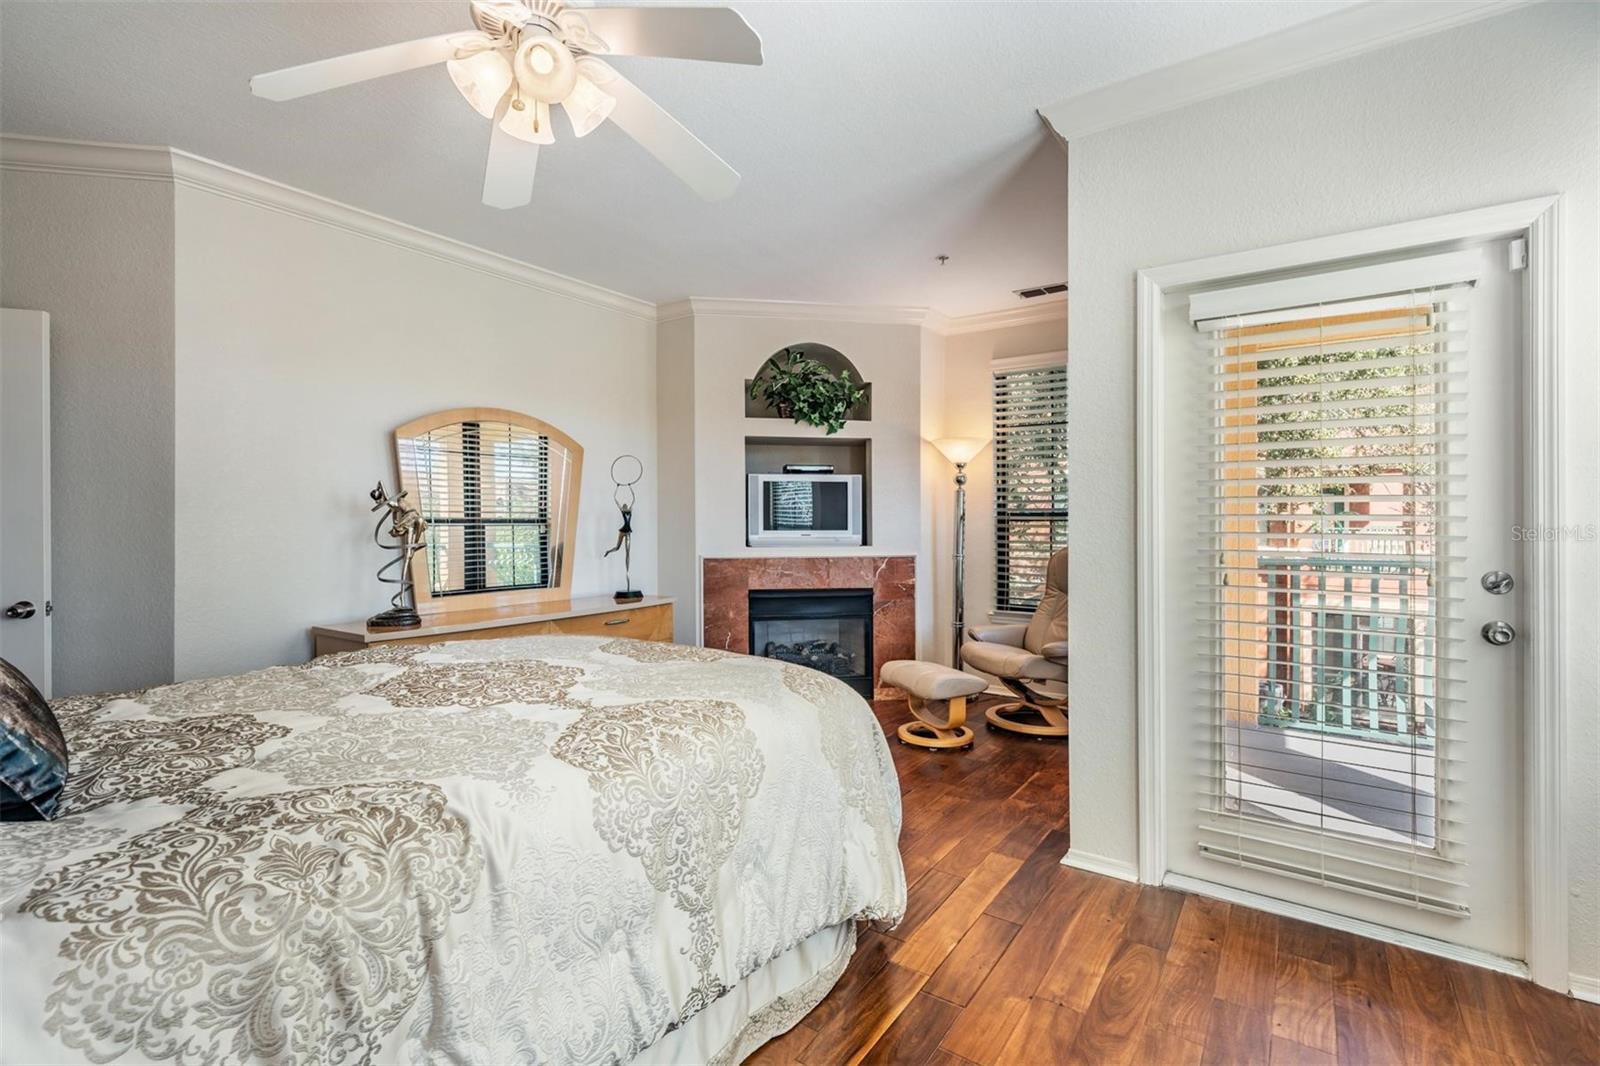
(1350,647)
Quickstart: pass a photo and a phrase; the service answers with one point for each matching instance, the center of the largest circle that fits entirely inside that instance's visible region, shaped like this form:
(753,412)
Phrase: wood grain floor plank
(1366,1013)
(928,947)
(957,979)
(871,1010)
(915,1035)
(1237,1036)
(872,955)
(1302,1002)
(1026,835)
(1308,941)
(1110,1030)
(1189,976)
(1284,1052)
(1030,883)
(1155,916)
(986,1024)
(1163,1045)
(1091,942)
(1043,1034)
(923,898)
(1247,972)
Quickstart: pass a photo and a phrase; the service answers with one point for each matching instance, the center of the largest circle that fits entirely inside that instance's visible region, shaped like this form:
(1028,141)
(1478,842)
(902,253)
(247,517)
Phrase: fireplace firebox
(825,629)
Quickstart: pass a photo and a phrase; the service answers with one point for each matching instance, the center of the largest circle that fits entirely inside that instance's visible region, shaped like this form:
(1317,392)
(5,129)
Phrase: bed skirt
(764,1005)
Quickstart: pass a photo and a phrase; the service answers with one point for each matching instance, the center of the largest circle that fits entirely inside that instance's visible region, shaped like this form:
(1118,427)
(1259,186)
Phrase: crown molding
(1317,42)
(150,163)
(713,307)
(1035,312)
(1044,310)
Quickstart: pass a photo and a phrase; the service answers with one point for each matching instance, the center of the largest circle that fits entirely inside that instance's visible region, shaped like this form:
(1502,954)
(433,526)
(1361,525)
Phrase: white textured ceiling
(876,136)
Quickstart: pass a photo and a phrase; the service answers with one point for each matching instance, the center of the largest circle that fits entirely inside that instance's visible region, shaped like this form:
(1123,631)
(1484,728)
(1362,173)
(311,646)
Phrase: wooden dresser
(646,619)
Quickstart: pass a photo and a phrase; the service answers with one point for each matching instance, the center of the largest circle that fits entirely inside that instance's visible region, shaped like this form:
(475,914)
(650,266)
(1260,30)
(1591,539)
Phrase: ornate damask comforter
(543,849)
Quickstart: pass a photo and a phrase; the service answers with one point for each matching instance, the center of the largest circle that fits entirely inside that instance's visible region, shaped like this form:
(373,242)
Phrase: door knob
(20,609)
(1498,632)
(1498,583)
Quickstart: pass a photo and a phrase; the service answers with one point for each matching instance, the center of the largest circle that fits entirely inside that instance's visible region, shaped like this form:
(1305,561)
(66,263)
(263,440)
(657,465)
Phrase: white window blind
(1030,478)
(484,488)
(1330,489)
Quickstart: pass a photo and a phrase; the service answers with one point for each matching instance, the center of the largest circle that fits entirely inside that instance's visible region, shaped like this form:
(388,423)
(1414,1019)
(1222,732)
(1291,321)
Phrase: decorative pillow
(33,753)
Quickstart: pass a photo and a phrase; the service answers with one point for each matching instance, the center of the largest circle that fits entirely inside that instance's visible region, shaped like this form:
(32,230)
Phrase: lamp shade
(482,78)
(960,450)
(587,105)
(530,122)
(545,68)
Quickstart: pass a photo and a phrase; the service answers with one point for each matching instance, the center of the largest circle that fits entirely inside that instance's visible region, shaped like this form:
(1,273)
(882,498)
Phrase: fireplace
(726,585)
(824,629)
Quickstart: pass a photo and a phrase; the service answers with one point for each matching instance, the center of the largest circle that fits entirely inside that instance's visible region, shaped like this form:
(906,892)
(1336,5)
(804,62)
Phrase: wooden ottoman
(932,690)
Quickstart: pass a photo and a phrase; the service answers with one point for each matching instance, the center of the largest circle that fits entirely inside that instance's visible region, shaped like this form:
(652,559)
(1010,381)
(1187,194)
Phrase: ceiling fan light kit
(530,54)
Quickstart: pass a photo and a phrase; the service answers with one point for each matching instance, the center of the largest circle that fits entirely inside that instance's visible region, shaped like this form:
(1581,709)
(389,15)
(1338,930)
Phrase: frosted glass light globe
(482,79)
(531,123)
(587,106)
(545,68)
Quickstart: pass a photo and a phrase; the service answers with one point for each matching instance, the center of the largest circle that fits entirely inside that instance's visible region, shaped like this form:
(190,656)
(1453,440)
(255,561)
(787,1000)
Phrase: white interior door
(25,606)
(1341,731)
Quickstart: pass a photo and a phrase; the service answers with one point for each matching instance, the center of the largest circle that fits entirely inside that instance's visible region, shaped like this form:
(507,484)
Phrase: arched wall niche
(835,360)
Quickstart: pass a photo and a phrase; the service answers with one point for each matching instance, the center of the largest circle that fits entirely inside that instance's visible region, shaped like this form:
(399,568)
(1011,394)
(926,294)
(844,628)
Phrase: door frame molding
(1544,726)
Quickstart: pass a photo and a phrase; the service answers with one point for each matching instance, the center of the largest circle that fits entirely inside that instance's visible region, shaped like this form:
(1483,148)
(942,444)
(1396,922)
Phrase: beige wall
(969,412)
(1500,110)
(226,376)
(300,346)
(97,253)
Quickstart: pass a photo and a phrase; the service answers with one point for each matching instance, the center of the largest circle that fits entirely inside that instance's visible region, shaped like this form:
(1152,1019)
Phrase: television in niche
(797,510)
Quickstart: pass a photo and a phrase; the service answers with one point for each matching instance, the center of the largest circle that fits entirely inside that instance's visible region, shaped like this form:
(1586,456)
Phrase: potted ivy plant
(799,387)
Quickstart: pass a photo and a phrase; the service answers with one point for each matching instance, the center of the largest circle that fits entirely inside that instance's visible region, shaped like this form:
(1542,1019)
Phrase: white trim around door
(1536,221)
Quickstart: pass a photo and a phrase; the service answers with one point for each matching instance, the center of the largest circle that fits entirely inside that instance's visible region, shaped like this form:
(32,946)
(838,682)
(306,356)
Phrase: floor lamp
(960,450)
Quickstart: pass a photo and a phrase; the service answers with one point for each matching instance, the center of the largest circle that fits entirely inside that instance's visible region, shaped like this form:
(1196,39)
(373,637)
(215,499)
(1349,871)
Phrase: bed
(539,849)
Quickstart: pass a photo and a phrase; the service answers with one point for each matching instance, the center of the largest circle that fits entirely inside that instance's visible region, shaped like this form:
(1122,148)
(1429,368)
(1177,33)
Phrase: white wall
(675,419)
(1497,111)
(969,412)
(96,253)
(299,347)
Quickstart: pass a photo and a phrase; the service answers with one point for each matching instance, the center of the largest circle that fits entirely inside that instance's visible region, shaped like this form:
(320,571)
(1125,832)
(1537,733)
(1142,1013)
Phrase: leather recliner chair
(1020,653)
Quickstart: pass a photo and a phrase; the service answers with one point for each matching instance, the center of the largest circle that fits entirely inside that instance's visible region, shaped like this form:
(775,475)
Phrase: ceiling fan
(528,55)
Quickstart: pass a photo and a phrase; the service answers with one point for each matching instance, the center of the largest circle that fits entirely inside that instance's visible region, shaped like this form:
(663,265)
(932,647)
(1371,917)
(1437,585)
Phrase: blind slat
(1030,472)
(1328,539)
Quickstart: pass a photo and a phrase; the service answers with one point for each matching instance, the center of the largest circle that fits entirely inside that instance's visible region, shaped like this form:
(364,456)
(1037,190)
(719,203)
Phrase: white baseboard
(1101,864)
(1286,909)
(1584,987)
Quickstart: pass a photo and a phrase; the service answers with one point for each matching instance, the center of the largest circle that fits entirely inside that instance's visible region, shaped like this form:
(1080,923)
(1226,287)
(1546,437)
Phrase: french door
(1343,688)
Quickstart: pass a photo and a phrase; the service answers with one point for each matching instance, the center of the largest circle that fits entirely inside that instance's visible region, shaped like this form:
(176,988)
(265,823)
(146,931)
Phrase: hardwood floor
(1006,956)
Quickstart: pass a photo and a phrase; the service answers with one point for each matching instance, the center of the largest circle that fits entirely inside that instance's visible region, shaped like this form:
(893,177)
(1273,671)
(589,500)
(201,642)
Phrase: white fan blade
(508,172)
(665,137)
(718,34)
(292,82)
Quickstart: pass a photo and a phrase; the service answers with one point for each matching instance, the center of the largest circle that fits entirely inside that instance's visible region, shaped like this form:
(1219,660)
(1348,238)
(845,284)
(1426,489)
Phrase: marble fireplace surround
(726,585)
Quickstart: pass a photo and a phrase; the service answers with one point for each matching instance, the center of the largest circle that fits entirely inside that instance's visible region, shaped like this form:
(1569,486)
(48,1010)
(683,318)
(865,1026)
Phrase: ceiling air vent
(1041,290)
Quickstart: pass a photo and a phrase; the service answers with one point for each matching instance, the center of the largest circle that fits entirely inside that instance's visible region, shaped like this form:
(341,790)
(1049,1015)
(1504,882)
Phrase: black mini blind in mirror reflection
(491,493)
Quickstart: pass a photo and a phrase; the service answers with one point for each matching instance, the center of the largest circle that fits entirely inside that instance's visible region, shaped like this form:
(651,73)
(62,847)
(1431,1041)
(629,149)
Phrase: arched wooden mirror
(500,492)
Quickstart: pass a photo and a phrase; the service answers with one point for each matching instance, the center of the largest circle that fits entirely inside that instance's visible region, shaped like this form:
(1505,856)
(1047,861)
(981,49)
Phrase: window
(1327,518)
(1030,477)
(484,488)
